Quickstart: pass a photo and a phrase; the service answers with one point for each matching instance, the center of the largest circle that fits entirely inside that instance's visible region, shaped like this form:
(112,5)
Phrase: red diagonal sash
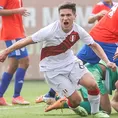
(62,47)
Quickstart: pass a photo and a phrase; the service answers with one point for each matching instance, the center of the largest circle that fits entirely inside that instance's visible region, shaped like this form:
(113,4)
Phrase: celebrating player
(62,70)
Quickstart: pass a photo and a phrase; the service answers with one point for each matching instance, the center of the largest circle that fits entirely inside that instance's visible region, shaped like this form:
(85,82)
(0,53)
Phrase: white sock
(94,102)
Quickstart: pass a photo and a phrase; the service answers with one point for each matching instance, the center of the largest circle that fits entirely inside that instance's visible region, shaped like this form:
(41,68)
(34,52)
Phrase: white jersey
(53,37)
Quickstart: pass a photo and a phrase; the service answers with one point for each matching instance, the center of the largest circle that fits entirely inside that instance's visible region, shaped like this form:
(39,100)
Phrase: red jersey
(106,30)
(101,6)
(12,25)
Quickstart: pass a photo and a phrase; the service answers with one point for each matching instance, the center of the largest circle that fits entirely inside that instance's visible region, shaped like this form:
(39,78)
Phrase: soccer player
(12,30)
(100,9)
(106,86)
(62,70)
(105,32)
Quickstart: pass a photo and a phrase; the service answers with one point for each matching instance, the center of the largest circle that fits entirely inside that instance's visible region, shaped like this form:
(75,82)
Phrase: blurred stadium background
(44,12)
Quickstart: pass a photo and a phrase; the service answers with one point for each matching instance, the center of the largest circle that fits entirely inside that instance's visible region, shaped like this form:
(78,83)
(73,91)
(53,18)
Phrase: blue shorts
(18,54)
(86,54)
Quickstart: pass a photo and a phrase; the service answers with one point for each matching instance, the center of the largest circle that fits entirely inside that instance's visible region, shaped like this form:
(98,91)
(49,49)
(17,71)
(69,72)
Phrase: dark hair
(68,5)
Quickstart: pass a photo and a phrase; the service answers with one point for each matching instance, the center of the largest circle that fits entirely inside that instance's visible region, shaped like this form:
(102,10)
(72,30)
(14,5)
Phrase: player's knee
(74,102)
(24,63)
(93,86)
(12,68)
(94,90)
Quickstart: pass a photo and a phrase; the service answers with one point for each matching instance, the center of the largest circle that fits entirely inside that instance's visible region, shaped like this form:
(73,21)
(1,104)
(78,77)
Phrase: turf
(31,90)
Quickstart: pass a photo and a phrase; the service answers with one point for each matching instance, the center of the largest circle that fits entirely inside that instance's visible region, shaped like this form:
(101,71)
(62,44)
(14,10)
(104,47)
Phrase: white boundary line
(19,107)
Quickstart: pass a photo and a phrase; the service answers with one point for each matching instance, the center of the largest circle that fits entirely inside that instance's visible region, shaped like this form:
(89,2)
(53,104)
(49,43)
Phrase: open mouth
(66,23)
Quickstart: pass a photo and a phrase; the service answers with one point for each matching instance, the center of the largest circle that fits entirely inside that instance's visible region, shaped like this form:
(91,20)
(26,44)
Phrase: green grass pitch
(30,91)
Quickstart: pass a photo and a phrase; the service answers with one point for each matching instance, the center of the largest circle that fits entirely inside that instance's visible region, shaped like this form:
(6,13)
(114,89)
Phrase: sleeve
(3,3)
(96,9)
(85,37)
(42,34)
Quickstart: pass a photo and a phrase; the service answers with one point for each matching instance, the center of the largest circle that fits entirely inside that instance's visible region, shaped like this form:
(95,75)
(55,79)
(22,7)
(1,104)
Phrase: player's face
(66,17)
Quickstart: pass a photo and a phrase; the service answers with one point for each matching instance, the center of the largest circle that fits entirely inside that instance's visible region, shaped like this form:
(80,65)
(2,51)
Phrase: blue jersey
(86,54)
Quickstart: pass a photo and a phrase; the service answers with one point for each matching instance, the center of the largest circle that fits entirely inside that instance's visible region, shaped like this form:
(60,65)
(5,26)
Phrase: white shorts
(66,80)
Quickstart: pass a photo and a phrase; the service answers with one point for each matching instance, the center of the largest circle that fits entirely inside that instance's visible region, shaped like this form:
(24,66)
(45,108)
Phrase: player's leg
(51,93)
(19,80)
(93,94)
(8,74)
(80,75)
(23,63)
(104,100)
(48,98)
(85,103)
(114,101)
(74,75)
(64,87)
(6,78)
(105,103)
(99,71)
(104,97)
(62,103)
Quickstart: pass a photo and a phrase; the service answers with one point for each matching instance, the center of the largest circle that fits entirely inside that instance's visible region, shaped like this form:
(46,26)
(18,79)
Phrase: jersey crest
(69,41)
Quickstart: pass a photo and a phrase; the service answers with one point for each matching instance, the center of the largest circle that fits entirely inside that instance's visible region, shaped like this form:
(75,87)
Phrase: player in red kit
(100,9)
(11,12)
(106,34)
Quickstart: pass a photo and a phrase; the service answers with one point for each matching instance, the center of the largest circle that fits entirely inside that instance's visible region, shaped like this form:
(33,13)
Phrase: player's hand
(116,54)
(3,55)
(102,13)
(23,11)
(112,66)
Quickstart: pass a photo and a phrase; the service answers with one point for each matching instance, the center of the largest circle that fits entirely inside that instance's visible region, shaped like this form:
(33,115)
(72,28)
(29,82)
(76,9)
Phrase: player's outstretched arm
(95,17)
(21,43)
(22,11)
(101,54)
